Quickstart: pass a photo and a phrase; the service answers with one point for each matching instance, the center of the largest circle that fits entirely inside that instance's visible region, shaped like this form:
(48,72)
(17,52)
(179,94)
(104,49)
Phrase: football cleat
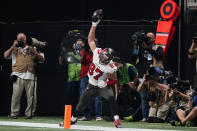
(128,118)
(117,123)
(73,120)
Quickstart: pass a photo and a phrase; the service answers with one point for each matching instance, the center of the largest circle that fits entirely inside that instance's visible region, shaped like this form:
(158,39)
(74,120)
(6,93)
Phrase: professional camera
(34,42)
(20,43)
(181,85)
(71,37)
(140,37)
(151,74)
(74,35)
(154,73)
(169,76)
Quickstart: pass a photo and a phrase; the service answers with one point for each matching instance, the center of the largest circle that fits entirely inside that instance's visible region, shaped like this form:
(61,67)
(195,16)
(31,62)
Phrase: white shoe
(144,120)
(83,118)
(99,118)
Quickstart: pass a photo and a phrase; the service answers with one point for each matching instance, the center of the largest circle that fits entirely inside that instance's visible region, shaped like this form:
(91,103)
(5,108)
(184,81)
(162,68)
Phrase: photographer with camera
(156,95)
(24,59)
(189,116)
(156,88)
(142,48)
(179,100)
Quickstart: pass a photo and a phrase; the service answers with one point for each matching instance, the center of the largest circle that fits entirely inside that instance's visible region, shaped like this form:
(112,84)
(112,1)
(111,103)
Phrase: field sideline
(51,124)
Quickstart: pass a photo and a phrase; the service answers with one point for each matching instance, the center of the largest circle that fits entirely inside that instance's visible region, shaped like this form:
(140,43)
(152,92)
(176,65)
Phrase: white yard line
(79,127)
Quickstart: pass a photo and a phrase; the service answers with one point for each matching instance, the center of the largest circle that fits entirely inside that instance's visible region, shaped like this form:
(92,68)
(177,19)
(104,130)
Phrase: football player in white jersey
(102,75)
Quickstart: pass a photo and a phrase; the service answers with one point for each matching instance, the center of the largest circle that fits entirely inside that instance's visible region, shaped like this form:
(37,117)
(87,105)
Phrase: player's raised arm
(96,17)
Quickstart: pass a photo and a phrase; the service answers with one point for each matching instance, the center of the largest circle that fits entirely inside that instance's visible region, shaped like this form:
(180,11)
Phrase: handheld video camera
(140,37)
(71,37)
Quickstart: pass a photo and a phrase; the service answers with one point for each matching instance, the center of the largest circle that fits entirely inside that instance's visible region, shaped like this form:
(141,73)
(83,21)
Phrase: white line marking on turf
(27,124)
(79,127)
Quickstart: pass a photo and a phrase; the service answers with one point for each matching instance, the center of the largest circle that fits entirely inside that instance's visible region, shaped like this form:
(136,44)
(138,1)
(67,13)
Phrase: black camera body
(154,75)
(148,77)
(140,37)
(181,85)
(72,36)
(32,42)
(20,43)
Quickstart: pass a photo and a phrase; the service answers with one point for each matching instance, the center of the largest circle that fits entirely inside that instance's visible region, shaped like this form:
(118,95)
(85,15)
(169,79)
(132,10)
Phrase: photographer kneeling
(156,94)
(179,94)
(185,116)
(156,88)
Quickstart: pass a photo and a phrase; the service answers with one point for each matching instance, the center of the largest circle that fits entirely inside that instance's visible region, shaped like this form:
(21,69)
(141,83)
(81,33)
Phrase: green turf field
(56,120)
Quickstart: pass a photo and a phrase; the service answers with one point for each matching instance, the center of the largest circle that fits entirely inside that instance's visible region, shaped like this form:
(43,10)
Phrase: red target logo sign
(166,28)
(169,10)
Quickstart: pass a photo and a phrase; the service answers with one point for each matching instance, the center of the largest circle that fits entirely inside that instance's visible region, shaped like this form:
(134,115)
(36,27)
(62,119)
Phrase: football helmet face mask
(105,56)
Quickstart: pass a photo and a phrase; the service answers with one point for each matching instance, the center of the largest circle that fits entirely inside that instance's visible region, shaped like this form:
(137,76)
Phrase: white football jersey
(98,71)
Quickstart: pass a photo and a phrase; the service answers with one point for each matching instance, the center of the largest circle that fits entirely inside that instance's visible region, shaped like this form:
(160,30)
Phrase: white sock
(116,117)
